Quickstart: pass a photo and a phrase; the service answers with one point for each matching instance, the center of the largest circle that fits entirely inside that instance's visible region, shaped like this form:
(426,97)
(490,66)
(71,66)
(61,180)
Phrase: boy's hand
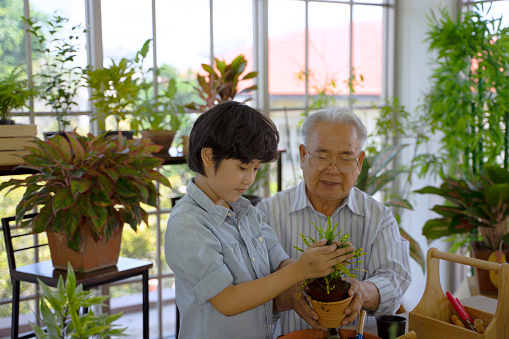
(317,260)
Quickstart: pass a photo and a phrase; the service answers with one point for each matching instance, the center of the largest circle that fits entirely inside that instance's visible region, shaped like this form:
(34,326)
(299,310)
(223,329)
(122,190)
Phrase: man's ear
(302,152)
(362,156)
(207,157)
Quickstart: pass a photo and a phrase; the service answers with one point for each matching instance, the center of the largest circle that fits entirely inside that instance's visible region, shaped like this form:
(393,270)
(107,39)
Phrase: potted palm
(476,210)
(329,295)
(86,188)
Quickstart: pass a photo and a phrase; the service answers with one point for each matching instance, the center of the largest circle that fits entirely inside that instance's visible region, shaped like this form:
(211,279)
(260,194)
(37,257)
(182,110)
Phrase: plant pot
(331,313)
(480,251)
(185,144)
(125,134)
(315,334)
(92,255)
(163,138)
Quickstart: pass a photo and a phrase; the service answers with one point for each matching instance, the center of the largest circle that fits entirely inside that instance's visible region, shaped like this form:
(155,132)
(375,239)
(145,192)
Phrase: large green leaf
(63,199)
(436,228)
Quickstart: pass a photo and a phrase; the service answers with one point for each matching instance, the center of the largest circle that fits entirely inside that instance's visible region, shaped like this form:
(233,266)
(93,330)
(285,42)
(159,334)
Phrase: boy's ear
(206,156)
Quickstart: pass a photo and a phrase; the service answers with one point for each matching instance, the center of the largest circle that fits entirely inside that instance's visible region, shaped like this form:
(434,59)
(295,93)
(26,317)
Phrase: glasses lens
(343,165)
(320,163)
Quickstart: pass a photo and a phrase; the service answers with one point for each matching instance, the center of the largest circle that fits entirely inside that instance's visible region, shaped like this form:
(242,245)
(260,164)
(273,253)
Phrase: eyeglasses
(320,163)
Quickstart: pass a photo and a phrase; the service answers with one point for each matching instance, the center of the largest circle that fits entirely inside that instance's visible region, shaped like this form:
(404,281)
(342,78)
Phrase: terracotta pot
(479,251)
(185,144)
(331,313)
(91,256)
(315,334)
(163,138)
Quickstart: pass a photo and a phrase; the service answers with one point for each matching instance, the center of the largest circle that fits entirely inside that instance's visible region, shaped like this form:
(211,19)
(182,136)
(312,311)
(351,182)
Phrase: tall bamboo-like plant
(469,98)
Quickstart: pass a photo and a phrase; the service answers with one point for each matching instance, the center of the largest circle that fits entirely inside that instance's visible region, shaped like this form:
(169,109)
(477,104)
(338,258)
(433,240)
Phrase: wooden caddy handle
(485,265)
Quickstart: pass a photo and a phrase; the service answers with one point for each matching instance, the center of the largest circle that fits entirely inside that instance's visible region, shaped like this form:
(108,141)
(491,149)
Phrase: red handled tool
(462,312)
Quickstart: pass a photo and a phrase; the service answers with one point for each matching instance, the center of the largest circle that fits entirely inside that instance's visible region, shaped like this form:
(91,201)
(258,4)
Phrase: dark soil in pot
(338,290)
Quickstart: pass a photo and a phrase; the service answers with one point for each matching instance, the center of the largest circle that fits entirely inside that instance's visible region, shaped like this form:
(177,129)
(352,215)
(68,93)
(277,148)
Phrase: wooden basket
(431,317)
(13,139)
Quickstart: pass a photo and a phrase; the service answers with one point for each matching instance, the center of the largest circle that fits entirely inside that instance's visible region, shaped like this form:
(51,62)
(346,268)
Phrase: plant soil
(338,290)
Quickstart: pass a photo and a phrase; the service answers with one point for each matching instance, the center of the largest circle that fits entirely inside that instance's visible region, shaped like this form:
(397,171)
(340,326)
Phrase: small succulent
(330,235)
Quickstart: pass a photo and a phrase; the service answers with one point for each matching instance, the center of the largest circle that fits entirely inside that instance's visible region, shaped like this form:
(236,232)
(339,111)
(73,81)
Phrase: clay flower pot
(331,313)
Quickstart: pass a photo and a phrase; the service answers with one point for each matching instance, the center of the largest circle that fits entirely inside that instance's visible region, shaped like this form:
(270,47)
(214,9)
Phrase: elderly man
(331,160)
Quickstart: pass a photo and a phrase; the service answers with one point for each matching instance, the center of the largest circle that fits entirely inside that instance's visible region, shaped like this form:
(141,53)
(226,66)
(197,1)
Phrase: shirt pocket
(260,247)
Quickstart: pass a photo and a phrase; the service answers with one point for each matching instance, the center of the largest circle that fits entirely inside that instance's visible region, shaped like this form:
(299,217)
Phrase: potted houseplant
(15,91)
(329,295)
(116,89)
(86,189)
(58,76)
(156,117)
(477,211)
(62,312)
(469,94)
(220,83)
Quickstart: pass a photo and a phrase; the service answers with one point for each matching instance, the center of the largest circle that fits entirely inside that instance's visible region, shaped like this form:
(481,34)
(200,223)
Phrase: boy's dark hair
(232,130)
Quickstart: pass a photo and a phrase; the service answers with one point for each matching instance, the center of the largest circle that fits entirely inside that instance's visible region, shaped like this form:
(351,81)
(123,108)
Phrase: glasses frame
(332,161)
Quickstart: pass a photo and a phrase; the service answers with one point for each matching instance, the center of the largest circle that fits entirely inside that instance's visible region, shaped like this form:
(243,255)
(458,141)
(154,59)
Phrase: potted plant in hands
(329,295)
(58,77)
(477,211)
(87,188)
(221,85)
(65,318)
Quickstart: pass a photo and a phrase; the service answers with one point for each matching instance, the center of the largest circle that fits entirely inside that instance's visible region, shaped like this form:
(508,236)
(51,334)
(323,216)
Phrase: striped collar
(353,200)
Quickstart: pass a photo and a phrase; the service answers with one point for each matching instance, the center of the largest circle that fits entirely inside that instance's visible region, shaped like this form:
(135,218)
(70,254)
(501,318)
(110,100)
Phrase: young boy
(228,264)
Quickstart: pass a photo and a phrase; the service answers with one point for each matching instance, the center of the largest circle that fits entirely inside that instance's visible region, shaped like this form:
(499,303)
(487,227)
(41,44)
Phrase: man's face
(329,186)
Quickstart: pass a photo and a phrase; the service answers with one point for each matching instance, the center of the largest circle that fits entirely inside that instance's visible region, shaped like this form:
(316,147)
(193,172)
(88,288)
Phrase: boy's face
(230,180)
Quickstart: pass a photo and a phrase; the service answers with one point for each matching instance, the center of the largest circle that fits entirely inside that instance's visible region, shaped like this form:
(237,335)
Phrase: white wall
(412,70)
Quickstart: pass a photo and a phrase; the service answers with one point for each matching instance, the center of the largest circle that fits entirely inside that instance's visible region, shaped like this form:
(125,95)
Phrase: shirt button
(260,239)
(252,259)
(229,214)
(270,326)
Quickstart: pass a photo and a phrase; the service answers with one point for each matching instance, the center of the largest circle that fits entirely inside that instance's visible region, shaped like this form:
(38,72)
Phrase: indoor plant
(476,210)
(115,89)
(220,83)
(87,185)
(157,112)
(65,318)
(470,90)
(15,91)
(58,76)
(329,295)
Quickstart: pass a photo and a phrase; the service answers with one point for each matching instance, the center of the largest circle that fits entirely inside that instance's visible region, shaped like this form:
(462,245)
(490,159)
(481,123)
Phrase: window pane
(183,33)
(126,25)
(329,49)
(496,10)
(367,53)
(12,38)
(233,35)
(286,53)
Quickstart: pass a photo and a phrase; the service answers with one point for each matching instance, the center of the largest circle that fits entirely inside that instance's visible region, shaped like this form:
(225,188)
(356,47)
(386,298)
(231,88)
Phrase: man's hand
(365,296)
(293,299)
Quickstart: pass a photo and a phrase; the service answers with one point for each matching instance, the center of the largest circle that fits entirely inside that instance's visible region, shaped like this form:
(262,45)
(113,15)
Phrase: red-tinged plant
(220,83)
(94,179)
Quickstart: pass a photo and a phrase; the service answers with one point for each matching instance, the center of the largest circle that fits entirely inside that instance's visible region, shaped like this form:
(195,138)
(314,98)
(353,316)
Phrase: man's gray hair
(334,115)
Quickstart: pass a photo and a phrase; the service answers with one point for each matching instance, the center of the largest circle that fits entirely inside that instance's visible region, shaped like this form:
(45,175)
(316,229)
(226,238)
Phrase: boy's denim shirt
(209,247)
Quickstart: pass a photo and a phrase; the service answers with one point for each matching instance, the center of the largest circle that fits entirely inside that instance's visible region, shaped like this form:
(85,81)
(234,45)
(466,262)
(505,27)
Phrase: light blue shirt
(209,247)
(371,226)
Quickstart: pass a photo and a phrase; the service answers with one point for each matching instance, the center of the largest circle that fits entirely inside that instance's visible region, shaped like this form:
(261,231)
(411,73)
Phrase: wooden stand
(13,139)
(431,317)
